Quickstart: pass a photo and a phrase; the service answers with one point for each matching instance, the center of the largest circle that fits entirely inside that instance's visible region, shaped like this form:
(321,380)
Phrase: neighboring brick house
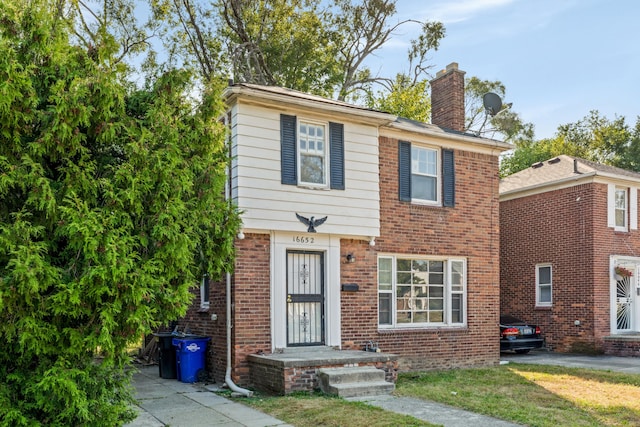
(565,225)
(405,254)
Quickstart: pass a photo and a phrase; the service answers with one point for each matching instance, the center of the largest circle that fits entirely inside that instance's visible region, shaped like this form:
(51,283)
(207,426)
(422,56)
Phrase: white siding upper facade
(256,174)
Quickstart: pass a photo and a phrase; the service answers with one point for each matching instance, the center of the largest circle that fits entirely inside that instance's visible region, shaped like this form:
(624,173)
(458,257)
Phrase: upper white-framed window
(204,292)
(421,291)
(425,174)
(313,155)
(544,285)
(621,208)
(622,205)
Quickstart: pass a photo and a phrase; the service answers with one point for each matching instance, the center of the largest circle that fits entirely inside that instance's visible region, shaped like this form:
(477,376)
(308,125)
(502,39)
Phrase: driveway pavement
(166,402)
(629,365)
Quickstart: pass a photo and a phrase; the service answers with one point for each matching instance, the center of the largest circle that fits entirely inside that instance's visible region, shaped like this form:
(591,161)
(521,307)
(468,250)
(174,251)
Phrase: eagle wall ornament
(312,223)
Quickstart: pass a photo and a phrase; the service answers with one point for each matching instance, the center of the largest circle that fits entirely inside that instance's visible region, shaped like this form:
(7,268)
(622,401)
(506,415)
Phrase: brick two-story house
(566,224)
(360,229)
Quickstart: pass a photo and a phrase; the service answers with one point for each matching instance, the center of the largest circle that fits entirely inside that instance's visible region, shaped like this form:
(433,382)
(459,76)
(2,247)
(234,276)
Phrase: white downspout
(227,377)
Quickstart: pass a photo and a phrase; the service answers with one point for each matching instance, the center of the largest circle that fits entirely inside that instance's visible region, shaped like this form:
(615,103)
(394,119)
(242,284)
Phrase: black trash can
(167,353)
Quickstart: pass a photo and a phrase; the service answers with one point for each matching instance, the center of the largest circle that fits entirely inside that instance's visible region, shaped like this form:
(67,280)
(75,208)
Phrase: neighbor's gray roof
(560,169)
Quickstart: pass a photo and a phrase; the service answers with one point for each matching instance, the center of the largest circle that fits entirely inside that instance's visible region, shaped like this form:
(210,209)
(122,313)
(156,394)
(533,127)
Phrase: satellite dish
(492,103)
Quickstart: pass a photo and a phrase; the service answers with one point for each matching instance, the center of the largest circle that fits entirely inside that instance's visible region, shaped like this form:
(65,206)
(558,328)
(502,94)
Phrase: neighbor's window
(621,208)
(421,291)
(424,174)
(543,285)
(312,149)
(204,292)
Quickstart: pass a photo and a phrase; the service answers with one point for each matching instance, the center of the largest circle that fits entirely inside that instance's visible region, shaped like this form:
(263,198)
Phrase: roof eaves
(619,177)
(433,130)
(301,99)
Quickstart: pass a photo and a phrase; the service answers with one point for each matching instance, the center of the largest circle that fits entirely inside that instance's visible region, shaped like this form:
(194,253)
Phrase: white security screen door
(305,298)
(625,298)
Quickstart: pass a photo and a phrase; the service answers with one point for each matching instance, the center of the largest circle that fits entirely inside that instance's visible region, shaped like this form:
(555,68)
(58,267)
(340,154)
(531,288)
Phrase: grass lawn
(316,409)
(534,395)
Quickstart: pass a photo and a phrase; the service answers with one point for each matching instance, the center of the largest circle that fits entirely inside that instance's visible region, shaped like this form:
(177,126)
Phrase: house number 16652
(303,239)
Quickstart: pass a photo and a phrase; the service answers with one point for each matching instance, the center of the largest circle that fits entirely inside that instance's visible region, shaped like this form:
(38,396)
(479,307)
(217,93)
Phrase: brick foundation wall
(622,347)
(286,380)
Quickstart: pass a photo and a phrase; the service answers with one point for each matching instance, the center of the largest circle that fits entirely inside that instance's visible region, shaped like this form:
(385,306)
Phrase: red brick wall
(469,230)
(251,299)
(556,228)
(567,228)
(359,309)
(250,293)
(199,322)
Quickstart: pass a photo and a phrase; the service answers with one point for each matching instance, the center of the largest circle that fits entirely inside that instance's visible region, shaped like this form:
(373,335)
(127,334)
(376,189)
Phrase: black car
(518,335)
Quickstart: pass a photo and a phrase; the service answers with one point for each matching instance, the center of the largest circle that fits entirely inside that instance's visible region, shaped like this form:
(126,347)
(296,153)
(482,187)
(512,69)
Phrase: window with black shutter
(311,156)
(422,179)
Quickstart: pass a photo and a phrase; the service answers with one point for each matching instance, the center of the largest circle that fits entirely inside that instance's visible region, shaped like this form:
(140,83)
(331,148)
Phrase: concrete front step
(354,381)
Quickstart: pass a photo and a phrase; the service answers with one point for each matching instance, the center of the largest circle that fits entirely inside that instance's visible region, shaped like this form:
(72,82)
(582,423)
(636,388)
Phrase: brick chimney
(447,98)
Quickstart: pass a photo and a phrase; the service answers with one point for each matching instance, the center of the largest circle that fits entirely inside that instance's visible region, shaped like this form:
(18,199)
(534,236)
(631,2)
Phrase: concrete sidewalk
(165,402)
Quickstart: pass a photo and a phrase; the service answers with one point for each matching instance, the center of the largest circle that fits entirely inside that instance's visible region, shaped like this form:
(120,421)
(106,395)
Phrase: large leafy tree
(313,46)
(111,205)
(593,137)
(319,47)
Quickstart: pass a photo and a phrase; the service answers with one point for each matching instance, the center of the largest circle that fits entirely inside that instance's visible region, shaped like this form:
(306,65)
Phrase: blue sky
(558,59)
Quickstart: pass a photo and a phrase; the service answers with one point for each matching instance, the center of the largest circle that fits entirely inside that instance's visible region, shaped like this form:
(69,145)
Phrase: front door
(305,298)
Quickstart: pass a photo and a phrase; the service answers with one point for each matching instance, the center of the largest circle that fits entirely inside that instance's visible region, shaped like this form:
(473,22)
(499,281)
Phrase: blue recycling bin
(190,356)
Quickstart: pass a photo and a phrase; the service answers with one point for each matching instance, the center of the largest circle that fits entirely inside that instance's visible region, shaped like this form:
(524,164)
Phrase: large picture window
(421,291)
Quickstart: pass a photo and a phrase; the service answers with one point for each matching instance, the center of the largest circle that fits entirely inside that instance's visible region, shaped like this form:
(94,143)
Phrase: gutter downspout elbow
(227,378)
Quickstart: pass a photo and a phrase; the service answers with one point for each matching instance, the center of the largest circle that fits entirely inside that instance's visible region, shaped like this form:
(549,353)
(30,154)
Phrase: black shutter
(404,171)
(448,179)
(336,155)
(288,156)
